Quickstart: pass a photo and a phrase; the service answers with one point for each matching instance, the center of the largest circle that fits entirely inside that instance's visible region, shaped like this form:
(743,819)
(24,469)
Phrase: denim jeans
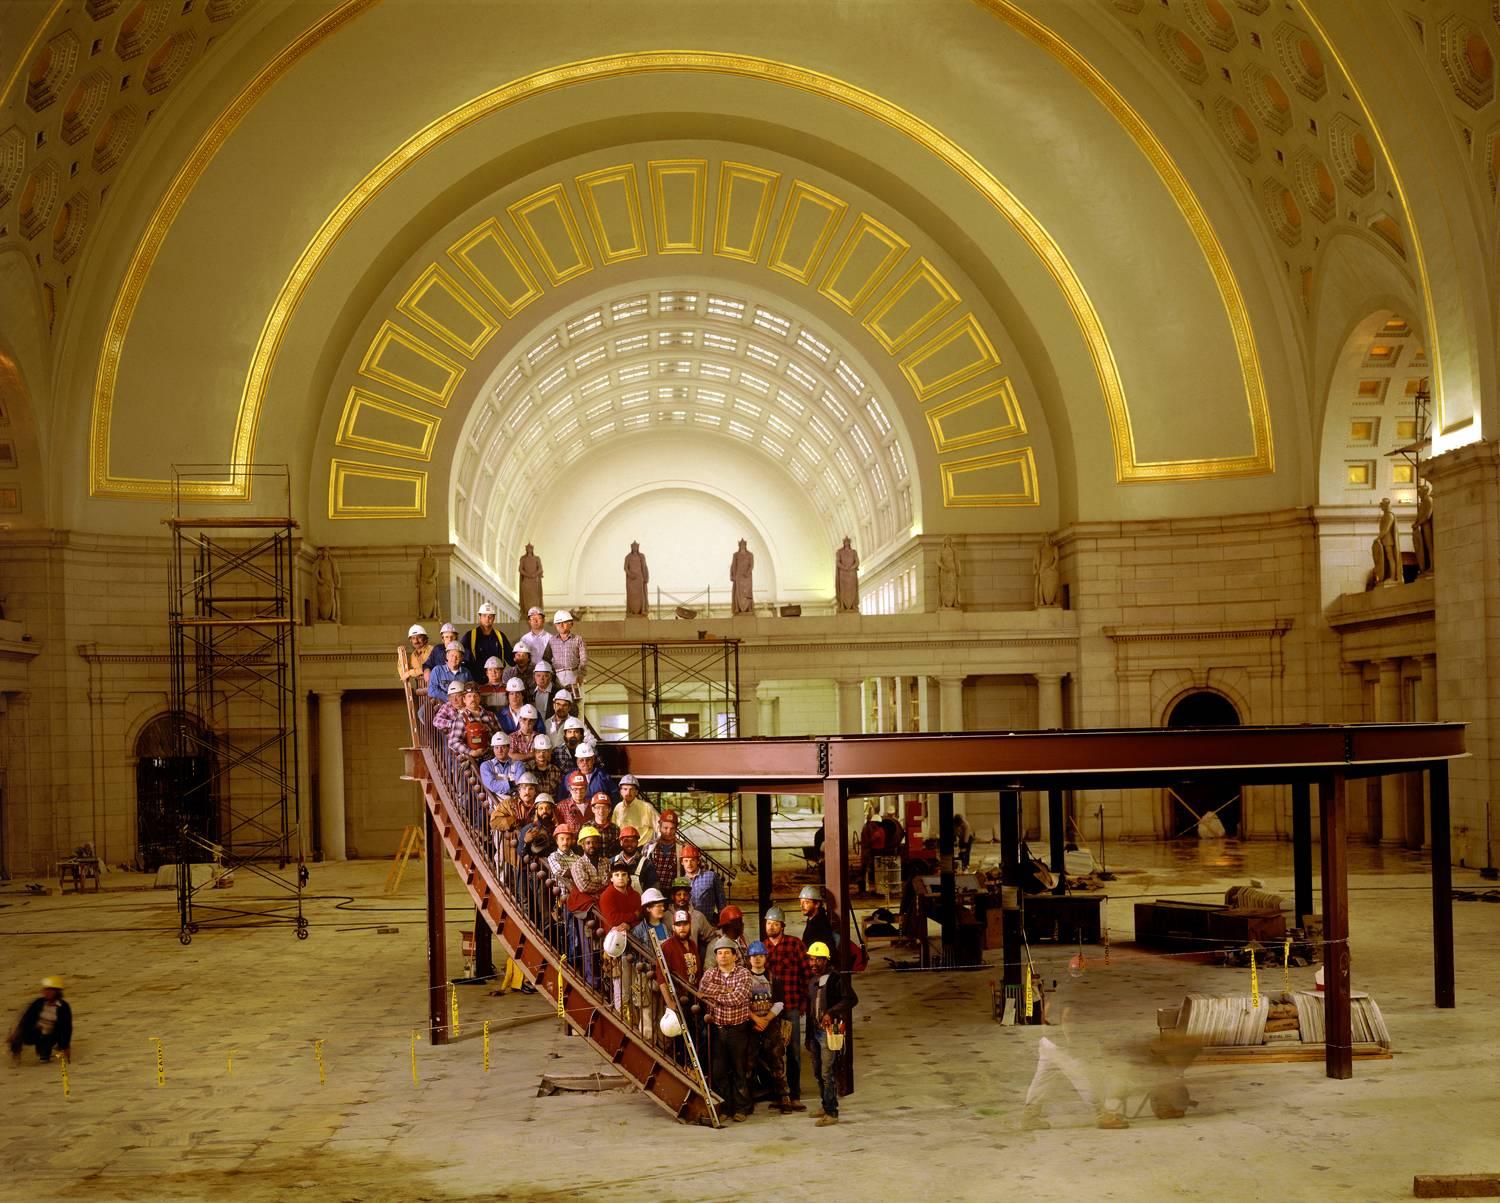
(794,1055)
(826,1067)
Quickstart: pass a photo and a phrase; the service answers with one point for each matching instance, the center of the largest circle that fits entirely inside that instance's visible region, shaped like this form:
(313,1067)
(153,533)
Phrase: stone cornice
(1284,519)
(1274,629)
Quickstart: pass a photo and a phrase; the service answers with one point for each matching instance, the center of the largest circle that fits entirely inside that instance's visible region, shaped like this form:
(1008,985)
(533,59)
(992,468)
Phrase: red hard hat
(577,778)
(624,831)
(730,913)
(570,828)
(688,852)
(669,814)
(601,796)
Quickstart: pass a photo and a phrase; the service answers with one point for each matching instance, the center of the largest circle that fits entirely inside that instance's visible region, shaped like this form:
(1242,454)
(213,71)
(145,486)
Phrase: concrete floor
(935,1115)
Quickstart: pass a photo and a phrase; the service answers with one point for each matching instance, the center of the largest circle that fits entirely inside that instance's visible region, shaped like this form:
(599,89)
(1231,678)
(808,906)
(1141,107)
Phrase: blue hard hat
(756,950)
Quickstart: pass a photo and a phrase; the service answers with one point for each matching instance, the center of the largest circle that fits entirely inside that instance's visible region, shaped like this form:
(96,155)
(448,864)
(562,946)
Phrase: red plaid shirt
(789,970)
(727,995)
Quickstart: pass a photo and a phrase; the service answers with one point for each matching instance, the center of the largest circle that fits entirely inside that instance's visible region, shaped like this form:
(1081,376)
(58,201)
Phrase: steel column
(1057,823)
(1302,874)
(1010,869)
(948,904)
(836,891)
(1442,887)
(437,942)
(1339,1050)
(763,852)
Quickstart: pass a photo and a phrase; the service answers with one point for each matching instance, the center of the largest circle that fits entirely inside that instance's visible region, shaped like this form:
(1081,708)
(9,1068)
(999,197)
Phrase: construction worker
(634,810)
(768,1030)
(653,922)
(830,1006)
(708,890)
(725,990)
(789,971)
(46,1024)
(485,639)
(816,925)
(682,900)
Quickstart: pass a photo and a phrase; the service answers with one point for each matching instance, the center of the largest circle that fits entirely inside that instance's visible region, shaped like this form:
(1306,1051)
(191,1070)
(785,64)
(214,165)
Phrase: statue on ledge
(1384,550)
(1421,529)
(741,586)
(846,578)
(530,590)
(1046,563)
(427,586)
(948,576)
(637,576)
(326,587)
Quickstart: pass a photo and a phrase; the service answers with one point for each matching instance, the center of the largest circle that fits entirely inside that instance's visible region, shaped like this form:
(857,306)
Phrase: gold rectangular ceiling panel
(440,305)
(1360,474)
(919,299)
(679,194)
(959,353)
(490,259)
(1403,474)
(808,219)
(612,202)
(869,253)
(360,490)
(746,195)
(986,415)
(546,221)
(371,423)
(1006,478)
(402,360)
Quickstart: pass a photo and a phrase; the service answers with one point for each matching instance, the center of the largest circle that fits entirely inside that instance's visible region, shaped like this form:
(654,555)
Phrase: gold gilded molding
(667,175)
(362,408)
(434,281)
(850,258)
(549,212)
(498,252)
(1020,459)
(389,492)
(23,60)
(825,211)
(400,359)
(594,188)
(904,312)
(979,403)
(1128,467)
(738,178)
(947,370)
(102,483)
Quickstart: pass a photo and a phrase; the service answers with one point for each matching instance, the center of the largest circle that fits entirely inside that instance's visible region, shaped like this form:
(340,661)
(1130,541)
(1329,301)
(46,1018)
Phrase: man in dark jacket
(817,924)
(47,1024)
(485,640)
(830,1005)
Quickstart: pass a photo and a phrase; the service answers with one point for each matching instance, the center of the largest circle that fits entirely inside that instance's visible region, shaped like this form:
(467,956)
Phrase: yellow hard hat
(52,983)
(589,831)
(819,949)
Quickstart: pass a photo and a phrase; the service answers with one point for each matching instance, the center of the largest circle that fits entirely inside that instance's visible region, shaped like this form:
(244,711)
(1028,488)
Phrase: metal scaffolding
(663,680)
(231,613)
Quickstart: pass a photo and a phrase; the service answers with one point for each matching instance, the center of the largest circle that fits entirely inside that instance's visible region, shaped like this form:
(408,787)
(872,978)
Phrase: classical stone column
(331,773)
(1049,701)
(951,690)
(926,705)
(902,705)
(765,711)
(851,702)
(882,704)
(1388,709)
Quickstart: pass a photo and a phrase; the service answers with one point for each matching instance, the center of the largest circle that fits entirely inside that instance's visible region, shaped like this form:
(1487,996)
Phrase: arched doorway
(1193,802)
(169,789)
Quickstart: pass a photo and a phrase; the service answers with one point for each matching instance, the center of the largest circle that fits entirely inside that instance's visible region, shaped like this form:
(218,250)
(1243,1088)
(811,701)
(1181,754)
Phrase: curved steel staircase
(615,1006)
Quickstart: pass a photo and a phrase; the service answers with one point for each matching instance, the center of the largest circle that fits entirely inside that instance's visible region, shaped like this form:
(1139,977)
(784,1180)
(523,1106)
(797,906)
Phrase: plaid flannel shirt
(789,970)
(569,655)
(727,995)
(458,729)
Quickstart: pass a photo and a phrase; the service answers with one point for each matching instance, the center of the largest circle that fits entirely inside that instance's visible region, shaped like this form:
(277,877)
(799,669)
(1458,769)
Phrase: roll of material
(1252,899)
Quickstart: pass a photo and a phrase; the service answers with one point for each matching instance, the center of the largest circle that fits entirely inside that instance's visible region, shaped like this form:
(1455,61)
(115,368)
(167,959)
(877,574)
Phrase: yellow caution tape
(561,1012)
(229,1063)
(453,1009)
(1254,980)
(486,1046)
(414,1056)
(322,1071)
(161,1062)
(63,1061)
(1286,965)
(1027,1009)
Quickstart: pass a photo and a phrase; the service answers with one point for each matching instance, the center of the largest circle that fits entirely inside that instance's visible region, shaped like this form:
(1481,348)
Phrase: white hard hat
(455,687)
(562,695)
(416,628)
(614,944)
(486,608)
(540,742)
(541,666)
(527,711)
(573,723)
(629,779)
(447,629)
(534,610)
(563,616)
(652,895)
(494,662)
(498,738)
(671,1026)
(583,750)
(527,779)
(513,685)
(811,894)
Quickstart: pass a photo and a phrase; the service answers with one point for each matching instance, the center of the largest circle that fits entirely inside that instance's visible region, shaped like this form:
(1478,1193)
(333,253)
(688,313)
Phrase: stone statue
(948,576)
(637,576)
(1421,529)
(846,578)
(530,592)
(741,586)
(427,586)
(326,587)
(1047,567)
(1384,550)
